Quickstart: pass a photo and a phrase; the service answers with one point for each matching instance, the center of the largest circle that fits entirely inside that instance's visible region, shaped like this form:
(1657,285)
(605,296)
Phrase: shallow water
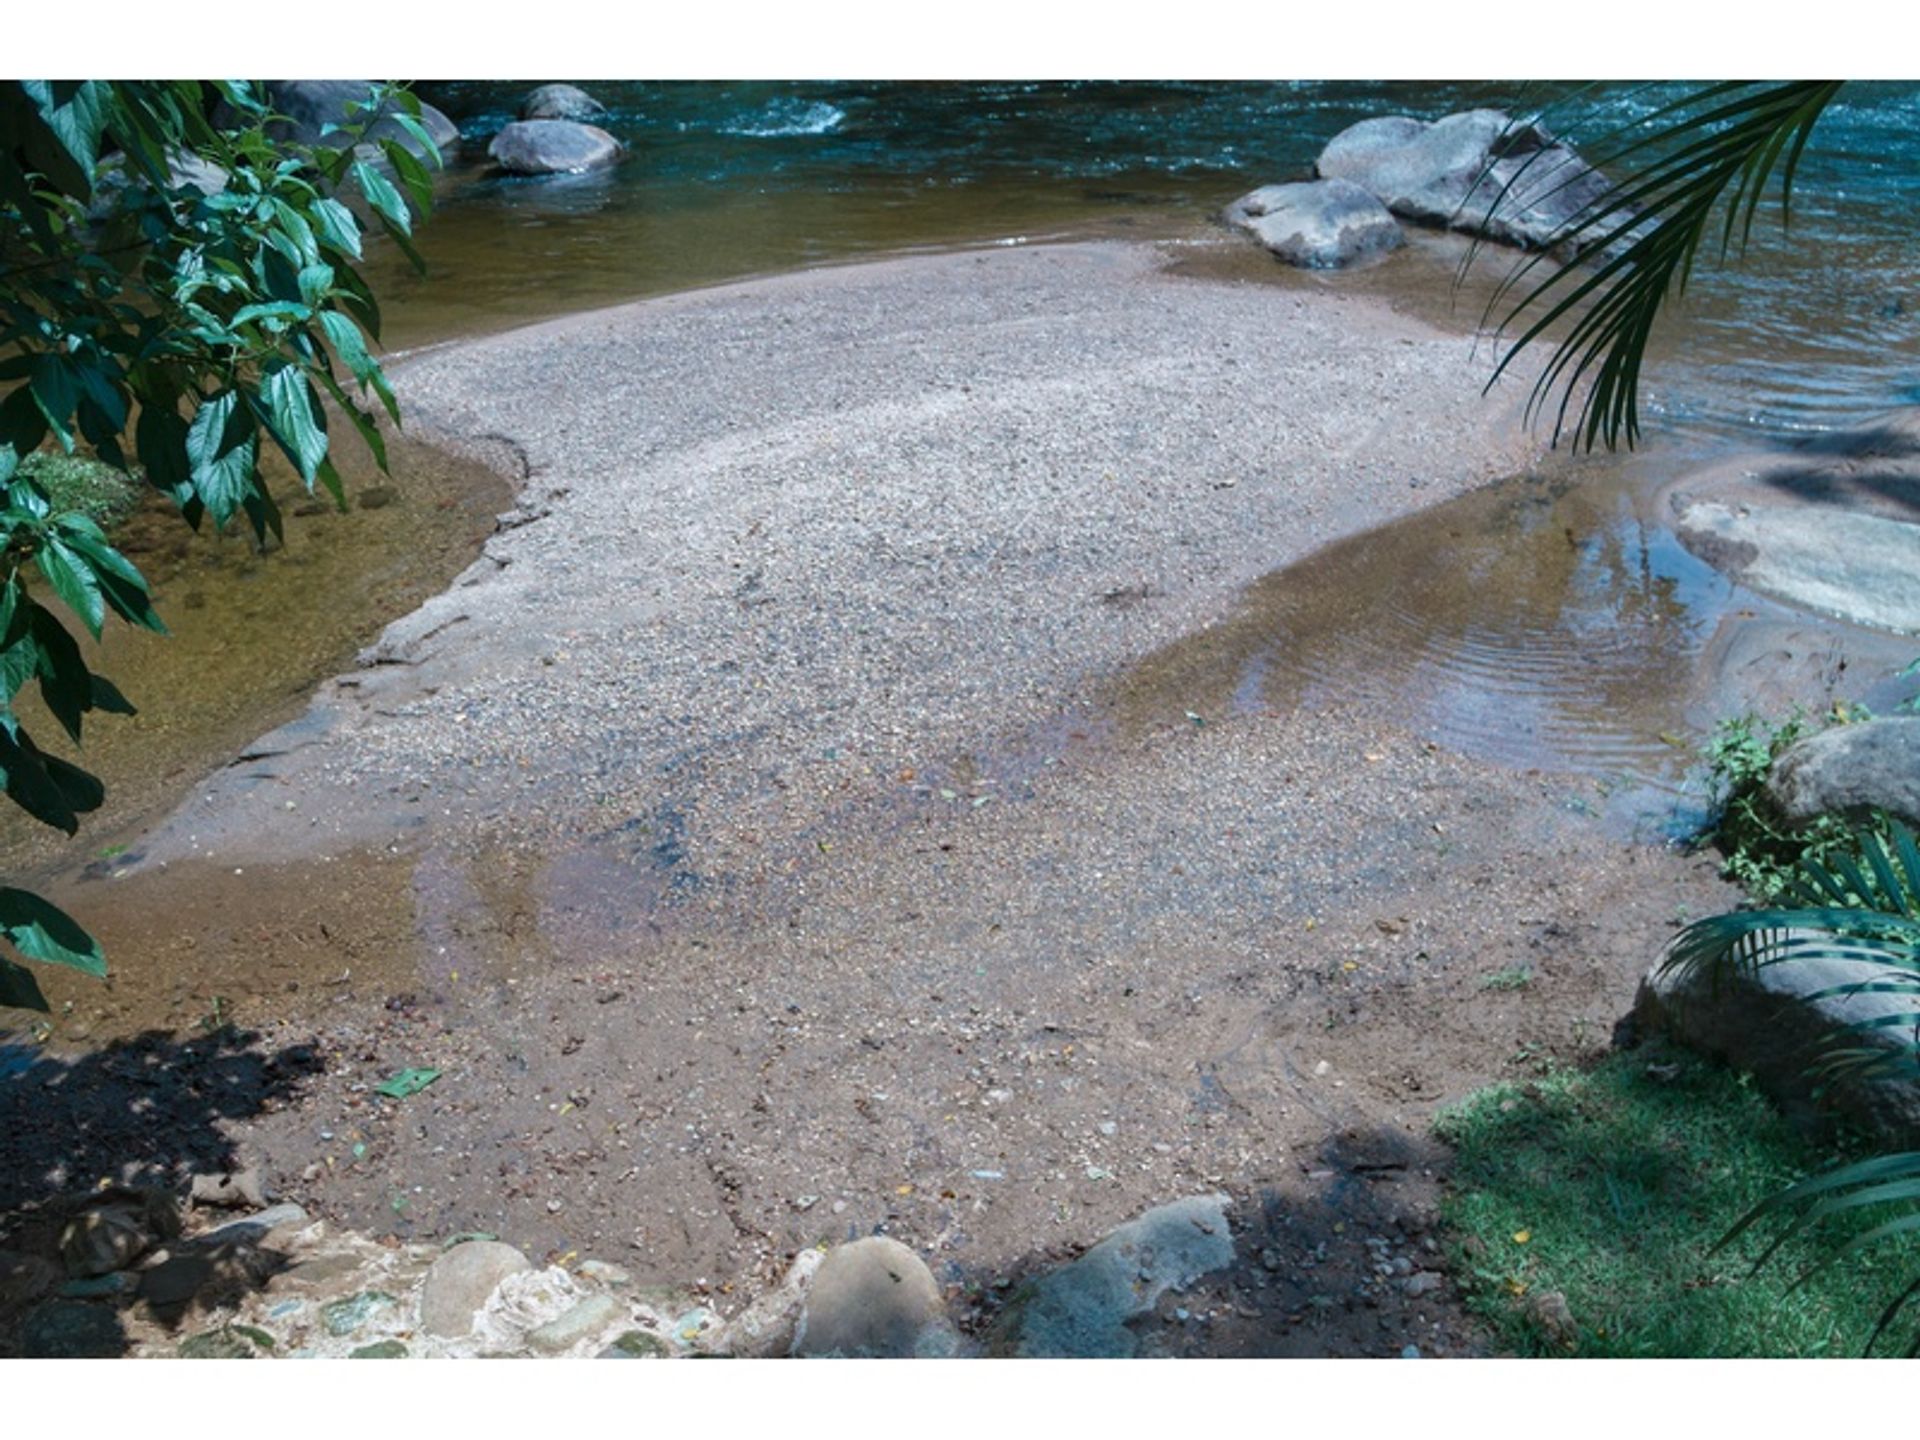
(1541,625)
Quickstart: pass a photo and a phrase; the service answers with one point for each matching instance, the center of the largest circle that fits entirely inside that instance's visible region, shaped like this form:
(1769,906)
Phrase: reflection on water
(1534,623)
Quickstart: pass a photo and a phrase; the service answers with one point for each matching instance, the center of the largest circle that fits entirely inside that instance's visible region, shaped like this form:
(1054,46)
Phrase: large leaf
(294,419)
(222,451)
(43,931)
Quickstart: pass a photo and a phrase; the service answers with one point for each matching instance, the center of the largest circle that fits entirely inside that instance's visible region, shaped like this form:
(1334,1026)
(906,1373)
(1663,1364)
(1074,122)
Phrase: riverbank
(753,841)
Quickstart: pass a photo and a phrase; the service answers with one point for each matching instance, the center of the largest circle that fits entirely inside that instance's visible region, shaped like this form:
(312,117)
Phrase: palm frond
(1634,247)
(1862,908)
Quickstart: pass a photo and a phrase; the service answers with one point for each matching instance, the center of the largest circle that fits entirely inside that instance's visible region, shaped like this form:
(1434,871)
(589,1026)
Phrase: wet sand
(754,841)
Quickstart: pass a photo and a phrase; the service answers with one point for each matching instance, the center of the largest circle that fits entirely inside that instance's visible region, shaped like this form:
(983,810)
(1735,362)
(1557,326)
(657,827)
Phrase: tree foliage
(178,290)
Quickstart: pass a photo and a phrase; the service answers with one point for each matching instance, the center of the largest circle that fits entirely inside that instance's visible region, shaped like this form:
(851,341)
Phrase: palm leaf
(1862,908)
(1634,247)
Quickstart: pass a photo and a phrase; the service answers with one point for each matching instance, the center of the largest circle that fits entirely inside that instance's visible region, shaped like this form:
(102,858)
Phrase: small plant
(1760,849)
(1514,977)
(1861,907)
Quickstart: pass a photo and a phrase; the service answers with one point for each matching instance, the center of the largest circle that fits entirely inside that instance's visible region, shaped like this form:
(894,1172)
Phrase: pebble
(1425,1283)
(1412,1352)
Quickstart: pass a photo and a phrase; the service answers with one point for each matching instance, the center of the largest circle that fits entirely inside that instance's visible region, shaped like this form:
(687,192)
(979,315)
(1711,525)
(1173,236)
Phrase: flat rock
(1082,1309)
(582,1321)
(460,1282)
(1318,224)
(231,1190)
(1477,171)
(552,147)
(1857,566)
(1851,770)
(560,102)
(1777,1023)
(874,1297)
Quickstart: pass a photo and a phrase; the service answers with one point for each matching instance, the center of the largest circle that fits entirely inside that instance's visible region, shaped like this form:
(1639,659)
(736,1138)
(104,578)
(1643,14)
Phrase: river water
(1548,623)
(1555,622)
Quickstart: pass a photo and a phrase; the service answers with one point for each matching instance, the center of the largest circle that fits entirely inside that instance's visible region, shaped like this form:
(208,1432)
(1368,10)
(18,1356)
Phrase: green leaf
(406,1082)
(43,931)
(294,418)
(55,392)
(381,195)
(337,226)
(19,990)
(46,787)
(222,449)
(72,580)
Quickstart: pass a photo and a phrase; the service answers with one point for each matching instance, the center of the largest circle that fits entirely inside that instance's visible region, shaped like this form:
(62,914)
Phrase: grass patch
(1610,1185)
(75,482)
(1514,977)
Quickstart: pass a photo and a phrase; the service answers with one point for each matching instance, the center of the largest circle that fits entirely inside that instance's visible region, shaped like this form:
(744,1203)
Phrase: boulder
(561,102)
(1082,1309)
(768,1326)
(552,147)
(1777,1024)
(115,1228)
(1318,224)
(1851,770)
(1477,171)
(874,1297)
(309,108)
(460,1282)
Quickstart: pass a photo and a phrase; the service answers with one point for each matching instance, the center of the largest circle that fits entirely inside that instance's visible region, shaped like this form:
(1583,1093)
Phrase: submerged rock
(1318,224)
(874,1297)
(552,147)
(1851,770)
(561,102)
(1478,171)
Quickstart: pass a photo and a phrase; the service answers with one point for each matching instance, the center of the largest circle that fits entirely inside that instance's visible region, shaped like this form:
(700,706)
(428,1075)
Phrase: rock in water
(459,1283)
(1478,171)
(1851,770)
(874,1297)
(561,102)
(309,107)
(552,147)
(1319,224)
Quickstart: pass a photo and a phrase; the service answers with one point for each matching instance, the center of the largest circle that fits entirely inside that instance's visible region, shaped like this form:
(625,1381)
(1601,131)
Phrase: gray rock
(874,1297)
(561,102)
(636,1345)
(232,1190)
(71,1330)
(1842,562)
(184,169)
(1425,1282)
(1851,770)
(343,1317)
(1777,1024)
(221,1344)
(255,1228)
(552,147)
(115,1229)
(309,108)
(767,1327)
(1476,171)
(1082,1309)
(585,1320)
(1319,224)
(459,1283)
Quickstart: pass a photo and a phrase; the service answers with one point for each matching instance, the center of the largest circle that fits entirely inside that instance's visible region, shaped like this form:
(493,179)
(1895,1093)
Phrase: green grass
(1621,1181)
(75,482)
